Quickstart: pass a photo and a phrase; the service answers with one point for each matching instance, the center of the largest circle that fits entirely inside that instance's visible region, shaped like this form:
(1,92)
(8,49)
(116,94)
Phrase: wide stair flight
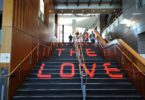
(58,78)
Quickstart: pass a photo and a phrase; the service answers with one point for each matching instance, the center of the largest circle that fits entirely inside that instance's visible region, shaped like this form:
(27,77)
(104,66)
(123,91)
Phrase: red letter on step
(72,52)
(60,51)
(71,75)
(43,76)
(90,53)
(91,74)
(109,70)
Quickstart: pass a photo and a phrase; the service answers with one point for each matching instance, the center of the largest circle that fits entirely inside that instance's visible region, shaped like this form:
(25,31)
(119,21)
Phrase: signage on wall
(4,57)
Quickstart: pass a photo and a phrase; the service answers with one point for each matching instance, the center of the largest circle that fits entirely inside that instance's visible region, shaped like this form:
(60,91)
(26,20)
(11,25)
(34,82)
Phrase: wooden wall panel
(27,30)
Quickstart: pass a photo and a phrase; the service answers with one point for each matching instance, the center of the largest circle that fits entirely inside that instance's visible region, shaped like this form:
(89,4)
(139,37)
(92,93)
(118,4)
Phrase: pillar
(73,26)
(62,33)
(7,33)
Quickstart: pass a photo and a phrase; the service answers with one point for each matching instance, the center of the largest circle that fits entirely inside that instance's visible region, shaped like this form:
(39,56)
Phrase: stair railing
(3,83)
(12,75)
(129,59)
(83,75)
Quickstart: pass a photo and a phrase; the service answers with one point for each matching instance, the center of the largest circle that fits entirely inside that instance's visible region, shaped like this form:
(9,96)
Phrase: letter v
(92,73)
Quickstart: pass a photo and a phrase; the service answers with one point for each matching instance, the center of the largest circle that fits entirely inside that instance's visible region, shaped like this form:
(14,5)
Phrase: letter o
(68,75)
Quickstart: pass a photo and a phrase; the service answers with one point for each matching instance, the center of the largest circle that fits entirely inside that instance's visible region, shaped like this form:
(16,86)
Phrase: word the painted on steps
(89,52)
(88,72)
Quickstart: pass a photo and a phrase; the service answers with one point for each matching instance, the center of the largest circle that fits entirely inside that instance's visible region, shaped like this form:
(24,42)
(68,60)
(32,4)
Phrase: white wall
(52,27)
(85,22)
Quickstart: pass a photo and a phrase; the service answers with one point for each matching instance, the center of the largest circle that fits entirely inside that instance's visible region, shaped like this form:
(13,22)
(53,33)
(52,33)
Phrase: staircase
(102,86)
(60,87)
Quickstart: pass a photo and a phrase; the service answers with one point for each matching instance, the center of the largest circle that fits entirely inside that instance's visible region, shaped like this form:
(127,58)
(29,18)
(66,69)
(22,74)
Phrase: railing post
(114,51)
(122,59)
(3,84)
(80,57)
(38,53)
(84,92)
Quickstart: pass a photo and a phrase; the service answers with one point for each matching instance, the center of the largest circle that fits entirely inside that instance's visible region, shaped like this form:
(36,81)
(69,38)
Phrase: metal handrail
(20,63)
(80,57)
(25,59)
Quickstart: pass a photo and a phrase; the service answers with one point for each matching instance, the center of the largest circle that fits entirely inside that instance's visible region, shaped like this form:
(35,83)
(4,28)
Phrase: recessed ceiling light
(125,21)
(135,14)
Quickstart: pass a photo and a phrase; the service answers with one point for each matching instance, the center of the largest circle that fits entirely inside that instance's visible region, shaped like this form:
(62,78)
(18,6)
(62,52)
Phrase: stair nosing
(123,83)
(88,78)
(76,89)
(53,96)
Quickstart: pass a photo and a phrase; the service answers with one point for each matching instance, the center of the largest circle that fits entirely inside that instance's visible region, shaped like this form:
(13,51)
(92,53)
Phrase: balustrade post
(3,83)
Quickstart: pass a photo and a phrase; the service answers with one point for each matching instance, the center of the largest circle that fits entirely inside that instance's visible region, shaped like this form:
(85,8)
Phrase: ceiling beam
(54,3)
(111,2)
(102,6)
(66,2)
(100,2)
(75,11)
(78,2)
(89,3)
(86,3)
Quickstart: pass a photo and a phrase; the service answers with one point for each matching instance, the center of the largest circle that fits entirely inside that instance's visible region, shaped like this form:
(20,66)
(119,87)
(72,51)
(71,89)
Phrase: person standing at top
(85,37)
(92,38)
(77,35)
(70,38)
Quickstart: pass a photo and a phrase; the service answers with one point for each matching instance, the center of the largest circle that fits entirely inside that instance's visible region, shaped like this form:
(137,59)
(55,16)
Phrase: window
(41,10)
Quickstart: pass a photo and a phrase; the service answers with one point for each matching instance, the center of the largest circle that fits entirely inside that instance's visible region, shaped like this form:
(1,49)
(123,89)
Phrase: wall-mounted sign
(4,57)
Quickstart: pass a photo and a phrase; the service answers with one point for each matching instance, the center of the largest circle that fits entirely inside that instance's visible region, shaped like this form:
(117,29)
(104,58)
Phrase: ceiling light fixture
(124,21)
(137,14)
(127,22)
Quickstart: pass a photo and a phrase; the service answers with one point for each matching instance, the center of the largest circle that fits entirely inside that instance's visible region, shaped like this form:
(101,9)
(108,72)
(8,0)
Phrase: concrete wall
(141,43)
(135,15)
(103,22)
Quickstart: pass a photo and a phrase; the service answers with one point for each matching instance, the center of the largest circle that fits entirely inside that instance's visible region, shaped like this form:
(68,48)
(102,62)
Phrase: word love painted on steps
(90,74)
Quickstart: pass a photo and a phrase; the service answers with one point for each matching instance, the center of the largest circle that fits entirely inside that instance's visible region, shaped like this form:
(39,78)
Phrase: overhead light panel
(124,21)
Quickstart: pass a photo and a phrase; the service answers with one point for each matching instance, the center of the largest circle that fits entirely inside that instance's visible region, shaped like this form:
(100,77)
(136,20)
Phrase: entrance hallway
(103,60)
